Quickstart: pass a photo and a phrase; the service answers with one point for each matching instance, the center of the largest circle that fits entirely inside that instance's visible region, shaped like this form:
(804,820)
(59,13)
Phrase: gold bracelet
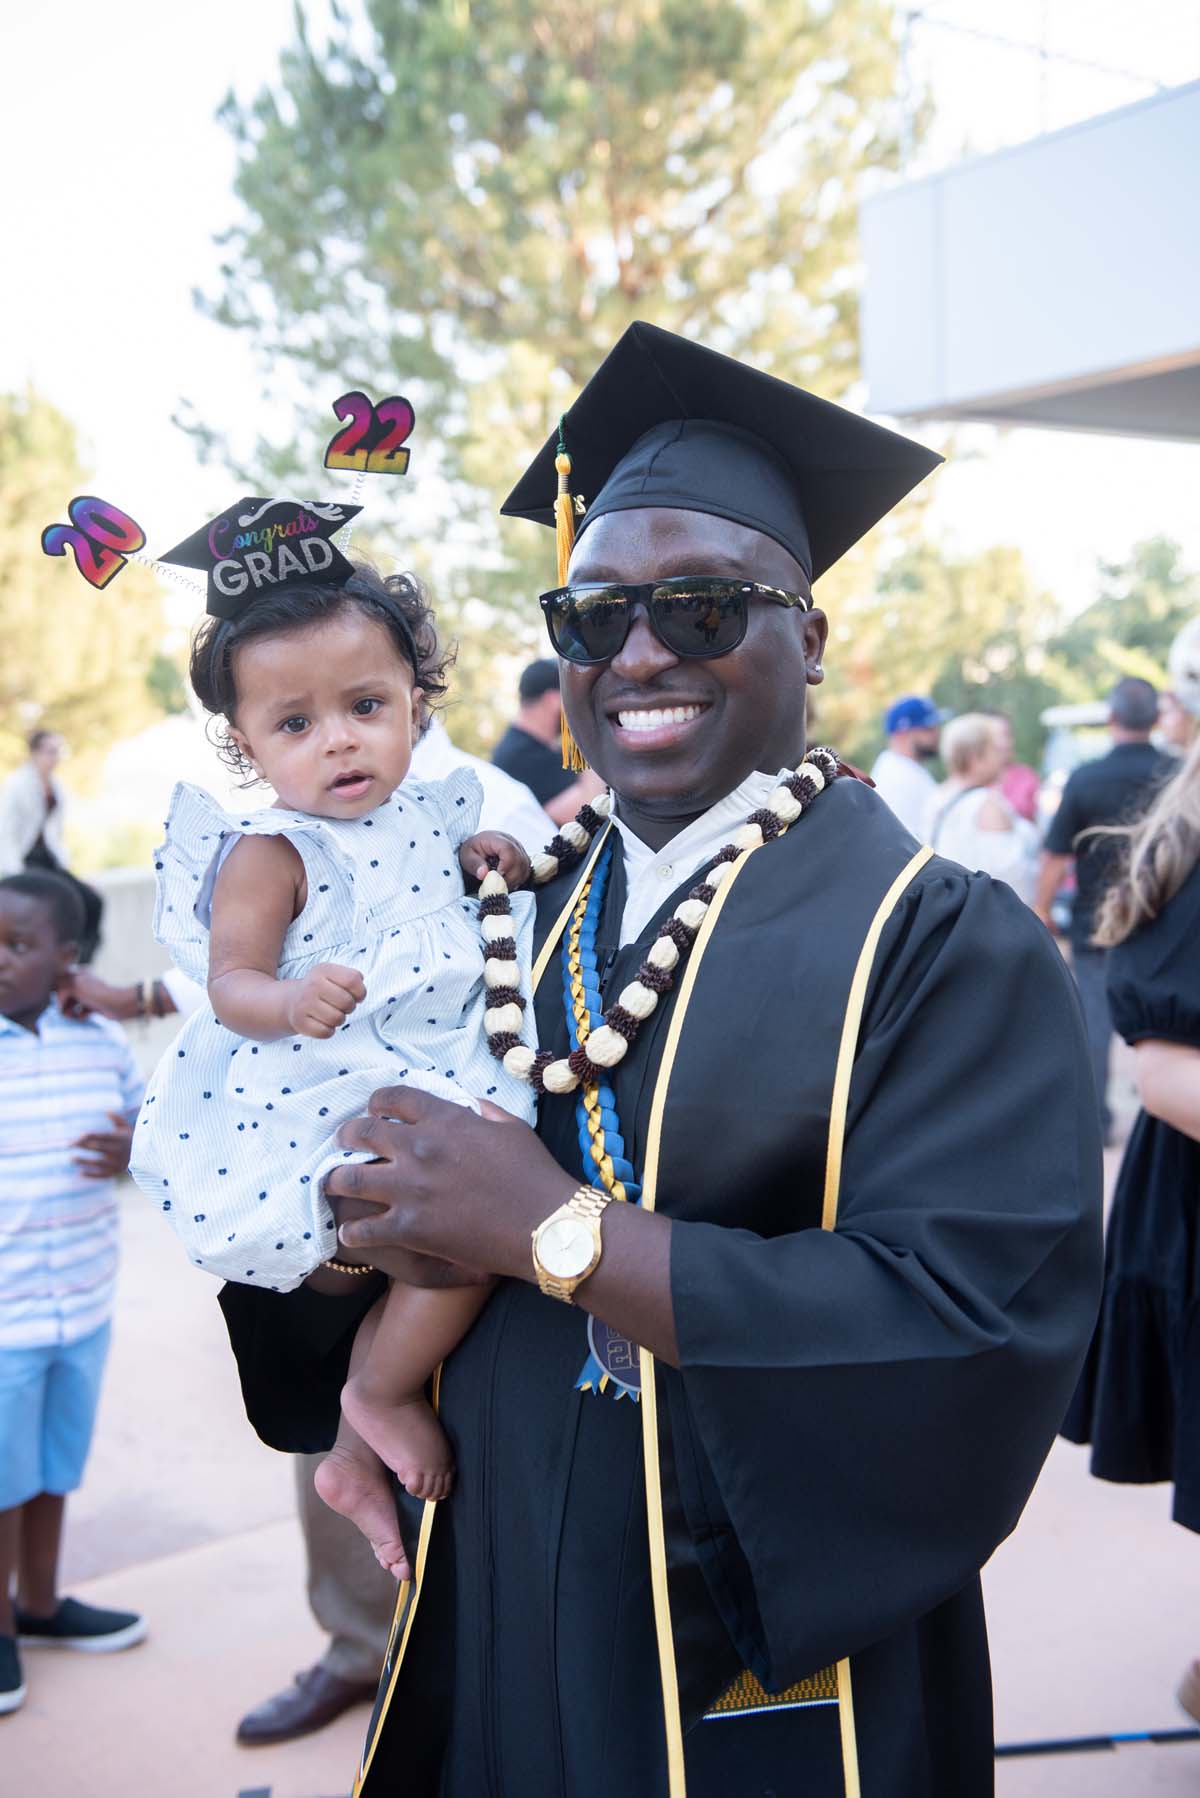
(144,991)
(344,1267)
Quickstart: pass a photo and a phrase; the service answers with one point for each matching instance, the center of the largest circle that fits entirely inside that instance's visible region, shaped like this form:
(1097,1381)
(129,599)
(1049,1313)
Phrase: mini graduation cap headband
(260,544)
(263,543)
(101,537)
(664,422)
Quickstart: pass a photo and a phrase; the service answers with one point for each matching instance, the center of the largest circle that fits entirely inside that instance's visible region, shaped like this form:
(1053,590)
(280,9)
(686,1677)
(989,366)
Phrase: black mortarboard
(259,544)
(666,422)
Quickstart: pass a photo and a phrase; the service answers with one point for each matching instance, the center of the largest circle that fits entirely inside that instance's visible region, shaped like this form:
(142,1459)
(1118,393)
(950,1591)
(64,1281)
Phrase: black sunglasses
(698,615)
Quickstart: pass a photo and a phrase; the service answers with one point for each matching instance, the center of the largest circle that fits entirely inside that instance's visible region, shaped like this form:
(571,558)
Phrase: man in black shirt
(1110,790)
(530,750)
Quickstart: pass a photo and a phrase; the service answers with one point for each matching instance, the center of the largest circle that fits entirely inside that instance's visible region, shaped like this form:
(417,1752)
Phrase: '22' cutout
(100,536)
(370,443)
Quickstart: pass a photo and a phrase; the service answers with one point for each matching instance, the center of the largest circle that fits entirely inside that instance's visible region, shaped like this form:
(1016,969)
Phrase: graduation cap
(259,544)
(666,422)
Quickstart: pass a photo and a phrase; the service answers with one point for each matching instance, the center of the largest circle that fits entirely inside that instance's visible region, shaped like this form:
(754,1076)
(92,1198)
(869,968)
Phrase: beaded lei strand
(588,1064)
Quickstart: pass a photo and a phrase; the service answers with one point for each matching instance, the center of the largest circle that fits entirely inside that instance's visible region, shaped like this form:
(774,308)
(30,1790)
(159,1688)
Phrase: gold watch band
(588,1202)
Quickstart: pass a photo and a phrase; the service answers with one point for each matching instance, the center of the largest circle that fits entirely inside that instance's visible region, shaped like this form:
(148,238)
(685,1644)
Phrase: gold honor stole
(745,1695)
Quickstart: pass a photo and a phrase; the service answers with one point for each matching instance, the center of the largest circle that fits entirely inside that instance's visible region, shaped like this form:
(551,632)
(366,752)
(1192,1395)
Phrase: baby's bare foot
(351,1480)
(407,1436)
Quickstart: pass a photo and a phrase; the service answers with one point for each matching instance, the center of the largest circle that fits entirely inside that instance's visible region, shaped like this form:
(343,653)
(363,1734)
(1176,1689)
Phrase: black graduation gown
(860,1413)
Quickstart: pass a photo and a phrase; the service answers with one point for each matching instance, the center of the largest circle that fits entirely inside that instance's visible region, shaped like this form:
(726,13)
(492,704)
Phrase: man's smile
(646,724)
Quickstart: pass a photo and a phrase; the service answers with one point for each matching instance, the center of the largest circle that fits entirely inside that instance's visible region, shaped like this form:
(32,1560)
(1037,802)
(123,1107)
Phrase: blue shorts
(48,1399)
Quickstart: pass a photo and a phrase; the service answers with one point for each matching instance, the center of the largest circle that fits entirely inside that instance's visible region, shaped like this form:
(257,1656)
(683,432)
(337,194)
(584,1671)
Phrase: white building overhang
(1057,283)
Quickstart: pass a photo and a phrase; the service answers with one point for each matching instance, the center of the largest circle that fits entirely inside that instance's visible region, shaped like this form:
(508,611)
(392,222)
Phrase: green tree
(977,634)
(71,657)
(972,631)
(165,681)
(470,201)
(1129,628)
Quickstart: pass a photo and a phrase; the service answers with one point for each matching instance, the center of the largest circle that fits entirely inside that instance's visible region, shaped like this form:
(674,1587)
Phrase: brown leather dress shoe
(314,1699)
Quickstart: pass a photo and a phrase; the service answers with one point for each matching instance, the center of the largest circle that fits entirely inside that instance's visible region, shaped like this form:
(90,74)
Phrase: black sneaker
(12,1686)
(79,1625)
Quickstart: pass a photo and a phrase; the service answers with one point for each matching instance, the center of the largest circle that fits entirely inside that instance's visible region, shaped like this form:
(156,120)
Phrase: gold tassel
(572,754)
(564,534)
(564,512)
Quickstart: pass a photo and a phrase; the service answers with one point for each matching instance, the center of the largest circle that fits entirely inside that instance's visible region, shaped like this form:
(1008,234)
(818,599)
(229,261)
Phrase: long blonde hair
(1160,850)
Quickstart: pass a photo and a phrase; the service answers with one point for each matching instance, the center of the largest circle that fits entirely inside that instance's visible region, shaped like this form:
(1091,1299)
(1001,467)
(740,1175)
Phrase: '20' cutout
(100,536)
(373,435)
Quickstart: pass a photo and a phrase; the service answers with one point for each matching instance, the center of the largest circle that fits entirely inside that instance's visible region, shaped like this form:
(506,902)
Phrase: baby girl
(341,954)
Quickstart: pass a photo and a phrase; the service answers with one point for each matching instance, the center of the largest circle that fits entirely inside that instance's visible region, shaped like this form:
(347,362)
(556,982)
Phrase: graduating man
(814,1212)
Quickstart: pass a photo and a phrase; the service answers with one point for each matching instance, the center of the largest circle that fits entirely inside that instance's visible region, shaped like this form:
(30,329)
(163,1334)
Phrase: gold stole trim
(850,1029)
(549,947)
(427,1515)
(676,1782)
(851,1025)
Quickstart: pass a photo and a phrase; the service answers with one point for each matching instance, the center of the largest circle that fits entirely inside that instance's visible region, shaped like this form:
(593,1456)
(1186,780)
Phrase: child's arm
(260,889)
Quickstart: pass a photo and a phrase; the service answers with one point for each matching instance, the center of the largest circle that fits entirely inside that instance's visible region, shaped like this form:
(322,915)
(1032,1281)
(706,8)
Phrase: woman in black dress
(1138,1400)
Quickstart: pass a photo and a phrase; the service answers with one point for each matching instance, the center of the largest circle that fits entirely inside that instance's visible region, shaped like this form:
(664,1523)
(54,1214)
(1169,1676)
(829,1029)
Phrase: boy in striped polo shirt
(69,1092)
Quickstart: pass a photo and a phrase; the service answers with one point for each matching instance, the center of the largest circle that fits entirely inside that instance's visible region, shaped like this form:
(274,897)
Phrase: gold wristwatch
(567,1245)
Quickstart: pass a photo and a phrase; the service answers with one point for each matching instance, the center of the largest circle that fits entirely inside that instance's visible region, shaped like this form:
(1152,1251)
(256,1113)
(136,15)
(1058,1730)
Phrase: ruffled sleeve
(1154,977)
(199,836)
(457,800)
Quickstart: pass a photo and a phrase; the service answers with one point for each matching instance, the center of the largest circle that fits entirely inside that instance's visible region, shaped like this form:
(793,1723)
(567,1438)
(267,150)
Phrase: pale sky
(118,179)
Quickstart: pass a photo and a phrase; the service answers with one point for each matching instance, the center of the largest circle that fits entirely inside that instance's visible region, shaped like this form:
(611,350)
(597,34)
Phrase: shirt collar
(50,1015)
(695,839)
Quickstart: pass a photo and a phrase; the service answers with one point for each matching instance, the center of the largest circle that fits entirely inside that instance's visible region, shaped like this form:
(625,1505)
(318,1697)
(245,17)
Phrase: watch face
(565,1247)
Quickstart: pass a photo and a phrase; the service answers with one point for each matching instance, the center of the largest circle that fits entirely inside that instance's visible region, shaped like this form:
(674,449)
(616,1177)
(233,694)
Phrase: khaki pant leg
(351,1596)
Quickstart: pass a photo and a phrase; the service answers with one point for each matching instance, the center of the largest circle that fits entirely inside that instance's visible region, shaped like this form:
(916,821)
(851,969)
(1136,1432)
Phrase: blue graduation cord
(614,1142)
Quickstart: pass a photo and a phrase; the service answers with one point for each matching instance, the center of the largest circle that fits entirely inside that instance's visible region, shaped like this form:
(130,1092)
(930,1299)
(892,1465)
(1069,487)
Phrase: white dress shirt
(907,786)
(508,805)
(651,877)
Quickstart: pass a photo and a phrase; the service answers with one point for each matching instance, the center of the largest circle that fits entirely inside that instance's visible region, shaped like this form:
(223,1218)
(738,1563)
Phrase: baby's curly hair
(397,601)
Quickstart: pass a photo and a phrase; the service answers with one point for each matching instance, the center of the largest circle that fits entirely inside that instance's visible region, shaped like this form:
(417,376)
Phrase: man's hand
(470,1191)
(1052,871)
(106,1152)
(320,1002)
(511,860)
(446,1184)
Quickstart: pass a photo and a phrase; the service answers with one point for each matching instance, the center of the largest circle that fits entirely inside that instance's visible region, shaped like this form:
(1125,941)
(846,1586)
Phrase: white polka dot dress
(235,1137)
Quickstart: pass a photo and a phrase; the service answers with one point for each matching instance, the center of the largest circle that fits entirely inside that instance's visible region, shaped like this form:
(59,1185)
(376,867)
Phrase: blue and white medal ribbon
(612,1358)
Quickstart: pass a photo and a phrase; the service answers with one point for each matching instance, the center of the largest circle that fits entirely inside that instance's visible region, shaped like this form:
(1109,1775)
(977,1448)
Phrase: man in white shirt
(900,775)
(508,804)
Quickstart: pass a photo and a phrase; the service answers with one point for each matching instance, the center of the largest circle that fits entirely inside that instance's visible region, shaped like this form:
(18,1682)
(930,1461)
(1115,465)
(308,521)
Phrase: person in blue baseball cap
(900,774)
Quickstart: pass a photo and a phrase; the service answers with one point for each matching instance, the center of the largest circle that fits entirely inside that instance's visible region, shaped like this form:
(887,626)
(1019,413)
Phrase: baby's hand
(321,1002)
(512,861)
